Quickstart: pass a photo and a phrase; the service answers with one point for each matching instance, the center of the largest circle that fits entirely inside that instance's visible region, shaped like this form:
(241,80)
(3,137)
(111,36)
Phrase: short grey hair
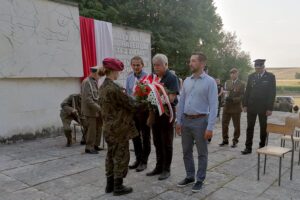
(160,57)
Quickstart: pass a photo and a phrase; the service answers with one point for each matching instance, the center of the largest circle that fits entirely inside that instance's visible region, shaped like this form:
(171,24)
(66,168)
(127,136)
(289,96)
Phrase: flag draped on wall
(96,42)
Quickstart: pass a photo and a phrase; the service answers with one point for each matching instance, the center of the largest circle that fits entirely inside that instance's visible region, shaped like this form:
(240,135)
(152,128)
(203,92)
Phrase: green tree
(178,28)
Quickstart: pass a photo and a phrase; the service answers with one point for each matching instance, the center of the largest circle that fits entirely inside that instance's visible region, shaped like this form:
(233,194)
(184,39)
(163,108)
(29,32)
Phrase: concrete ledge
(20,137)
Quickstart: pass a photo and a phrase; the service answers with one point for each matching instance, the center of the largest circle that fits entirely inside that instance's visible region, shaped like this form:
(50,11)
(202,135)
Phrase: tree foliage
(178,28)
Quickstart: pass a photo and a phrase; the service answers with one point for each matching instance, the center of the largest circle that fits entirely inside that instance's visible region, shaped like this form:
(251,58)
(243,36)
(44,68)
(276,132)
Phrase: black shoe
(185,182)
(246,151)
(154,172)
(91,151)
(223,144)
(234,145)
(197,186)
(141,167)
(109,184)
(120,189)
(134,165)
(98,148)
(164,175)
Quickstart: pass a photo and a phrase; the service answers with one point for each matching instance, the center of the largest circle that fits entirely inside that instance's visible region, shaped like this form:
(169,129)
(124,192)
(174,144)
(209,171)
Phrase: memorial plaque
(129,42)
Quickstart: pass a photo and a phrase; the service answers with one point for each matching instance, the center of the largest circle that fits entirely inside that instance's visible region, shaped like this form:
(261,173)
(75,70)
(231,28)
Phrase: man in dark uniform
(70,110)
(233,107)
(258,101)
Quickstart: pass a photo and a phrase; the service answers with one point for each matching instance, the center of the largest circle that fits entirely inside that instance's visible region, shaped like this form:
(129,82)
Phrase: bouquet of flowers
(149,90)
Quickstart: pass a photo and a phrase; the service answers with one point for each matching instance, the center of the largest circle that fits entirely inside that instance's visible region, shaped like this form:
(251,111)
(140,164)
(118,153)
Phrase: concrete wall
(31,105)
(40,64)
(39,38)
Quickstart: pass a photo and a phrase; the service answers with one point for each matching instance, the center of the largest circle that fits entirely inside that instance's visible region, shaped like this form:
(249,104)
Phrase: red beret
(113,64)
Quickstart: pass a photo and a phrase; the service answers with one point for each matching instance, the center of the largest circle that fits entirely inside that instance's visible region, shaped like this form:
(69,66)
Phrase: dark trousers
(142,143)
(163,133)
(251,119)
(219,106)
(236,117)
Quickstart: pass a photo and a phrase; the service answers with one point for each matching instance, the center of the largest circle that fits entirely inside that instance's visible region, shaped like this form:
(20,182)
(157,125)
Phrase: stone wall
(40,64)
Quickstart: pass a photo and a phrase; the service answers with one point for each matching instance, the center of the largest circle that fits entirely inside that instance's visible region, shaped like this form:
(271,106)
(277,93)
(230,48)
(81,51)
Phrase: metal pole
(279,178)
(258,166)
(265,163)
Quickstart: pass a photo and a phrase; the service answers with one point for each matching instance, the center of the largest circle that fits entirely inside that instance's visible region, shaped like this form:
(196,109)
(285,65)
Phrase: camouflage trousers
(117,159)
(66,120)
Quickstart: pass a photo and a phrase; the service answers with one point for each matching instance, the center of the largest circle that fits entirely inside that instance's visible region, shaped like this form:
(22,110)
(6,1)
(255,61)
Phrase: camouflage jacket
(69,104)
(117,111)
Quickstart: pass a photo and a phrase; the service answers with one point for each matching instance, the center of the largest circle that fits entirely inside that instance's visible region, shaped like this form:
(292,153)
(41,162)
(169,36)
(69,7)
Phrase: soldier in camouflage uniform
(117,111)
(70,110)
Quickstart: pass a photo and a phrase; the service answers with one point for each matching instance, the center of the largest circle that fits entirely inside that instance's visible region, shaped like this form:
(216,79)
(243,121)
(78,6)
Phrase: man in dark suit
(258,101)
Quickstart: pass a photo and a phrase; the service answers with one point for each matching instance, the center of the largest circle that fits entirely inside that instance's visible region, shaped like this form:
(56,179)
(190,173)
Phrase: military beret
(94,69)
(113,64)
(234,70)
(259,62)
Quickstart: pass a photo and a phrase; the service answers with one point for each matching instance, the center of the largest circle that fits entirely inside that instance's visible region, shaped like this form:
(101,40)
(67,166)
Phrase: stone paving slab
(45,169)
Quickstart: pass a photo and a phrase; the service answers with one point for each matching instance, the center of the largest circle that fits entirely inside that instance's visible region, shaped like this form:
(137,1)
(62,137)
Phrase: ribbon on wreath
(152,81)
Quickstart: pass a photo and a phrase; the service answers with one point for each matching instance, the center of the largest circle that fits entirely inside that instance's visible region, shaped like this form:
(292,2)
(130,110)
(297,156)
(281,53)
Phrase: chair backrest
(286,129)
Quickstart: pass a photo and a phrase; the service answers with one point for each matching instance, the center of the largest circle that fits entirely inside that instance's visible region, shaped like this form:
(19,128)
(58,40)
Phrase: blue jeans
(193,132)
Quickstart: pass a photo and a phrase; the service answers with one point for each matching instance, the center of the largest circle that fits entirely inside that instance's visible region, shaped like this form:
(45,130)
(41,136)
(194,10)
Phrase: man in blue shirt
(196,118)
(141,143)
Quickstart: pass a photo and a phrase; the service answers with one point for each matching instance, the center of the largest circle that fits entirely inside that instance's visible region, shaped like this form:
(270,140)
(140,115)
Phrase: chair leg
(292,162)
(298,134)
(265,164)
(258,166)
(279,178)
(299,157)
(281,142)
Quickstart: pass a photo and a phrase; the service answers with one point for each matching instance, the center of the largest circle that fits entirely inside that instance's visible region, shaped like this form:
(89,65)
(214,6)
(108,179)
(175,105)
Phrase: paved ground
(45,169)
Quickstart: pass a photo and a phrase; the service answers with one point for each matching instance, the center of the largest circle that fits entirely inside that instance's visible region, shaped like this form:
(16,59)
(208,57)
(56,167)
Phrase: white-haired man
(162,129)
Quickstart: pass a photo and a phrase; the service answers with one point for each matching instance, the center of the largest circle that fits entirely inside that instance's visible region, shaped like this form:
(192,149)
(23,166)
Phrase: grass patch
(291,82)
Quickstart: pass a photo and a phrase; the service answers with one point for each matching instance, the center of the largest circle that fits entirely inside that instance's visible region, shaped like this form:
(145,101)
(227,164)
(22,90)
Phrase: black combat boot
(109,184)
(119,188)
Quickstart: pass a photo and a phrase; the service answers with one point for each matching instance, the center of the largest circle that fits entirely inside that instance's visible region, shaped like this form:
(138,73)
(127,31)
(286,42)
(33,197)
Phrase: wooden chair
(296,140)
(286,128)
(76,124)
